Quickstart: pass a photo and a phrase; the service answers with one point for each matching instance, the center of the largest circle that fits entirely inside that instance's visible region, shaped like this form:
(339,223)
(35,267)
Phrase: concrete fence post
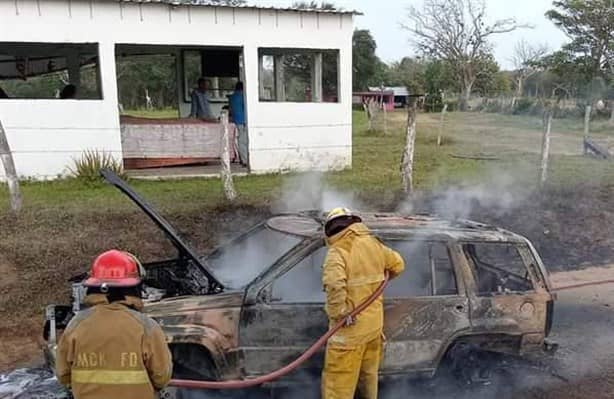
(226,172)
(407,162)
(546,146)
(9,170)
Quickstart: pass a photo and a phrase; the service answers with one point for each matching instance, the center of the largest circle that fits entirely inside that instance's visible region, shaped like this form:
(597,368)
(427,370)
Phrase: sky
(383,19)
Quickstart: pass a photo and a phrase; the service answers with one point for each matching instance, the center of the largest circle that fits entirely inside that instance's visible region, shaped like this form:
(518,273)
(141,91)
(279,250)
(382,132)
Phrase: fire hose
(248,383)
(580,285)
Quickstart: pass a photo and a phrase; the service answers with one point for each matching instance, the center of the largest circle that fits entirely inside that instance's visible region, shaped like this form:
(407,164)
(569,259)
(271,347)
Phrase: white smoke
(310,191)
(501,193)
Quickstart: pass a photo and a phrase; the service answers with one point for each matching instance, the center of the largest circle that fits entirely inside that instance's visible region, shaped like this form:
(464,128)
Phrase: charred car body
(256,303)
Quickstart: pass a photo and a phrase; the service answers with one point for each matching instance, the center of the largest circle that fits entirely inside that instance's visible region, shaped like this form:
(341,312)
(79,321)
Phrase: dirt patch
(21,343)
(8,273)
(42,249)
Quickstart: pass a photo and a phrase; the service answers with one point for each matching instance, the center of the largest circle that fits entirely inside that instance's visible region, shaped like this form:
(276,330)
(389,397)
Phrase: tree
(526,60)
(455,31)
(366,64)
(409,72)
(590,26)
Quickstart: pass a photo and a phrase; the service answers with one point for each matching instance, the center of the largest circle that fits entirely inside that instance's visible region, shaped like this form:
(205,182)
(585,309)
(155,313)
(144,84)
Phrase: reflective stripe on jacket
(353,270)
(113,351)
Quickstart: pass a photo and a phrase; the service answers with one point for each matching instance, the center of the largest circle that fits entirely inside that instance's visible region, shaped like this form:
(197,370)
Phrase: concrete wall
(46,134)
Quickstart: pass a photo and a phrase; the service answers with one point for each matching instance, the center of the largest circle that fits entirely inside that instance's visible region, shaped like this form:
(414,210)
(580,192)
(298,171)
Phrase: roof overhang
(247,6)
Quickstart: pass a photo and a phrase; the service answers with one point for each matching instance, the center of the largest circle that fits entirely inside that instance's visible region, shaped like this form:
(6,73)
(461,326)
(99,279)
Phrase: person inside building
(111,349)
(353,270)
(237,114)
(68,92)
(201,107)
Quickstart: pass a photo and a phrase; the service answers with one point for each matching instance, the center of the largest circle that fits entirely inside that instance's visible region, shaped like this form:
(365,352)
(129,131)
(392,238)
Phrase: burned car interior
(498,268)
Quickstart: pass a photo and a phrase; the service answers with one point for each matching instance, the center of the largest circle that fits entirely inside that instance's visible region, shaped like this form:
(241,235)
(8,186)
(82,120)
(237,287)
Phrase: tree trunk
(519,87)
(463,98)
(546,146)
(229,188)
(367,108)
(587,121)
(407,162)
(441,124)
(9,170)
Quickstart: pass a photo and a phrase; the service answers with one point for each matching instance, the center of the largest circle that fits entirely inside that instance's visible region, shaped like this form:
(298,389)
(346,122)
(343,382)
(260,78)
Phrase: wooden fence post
(546,146)
(9,170)
(587,120)
(441,124)
(407,162)
(226,173)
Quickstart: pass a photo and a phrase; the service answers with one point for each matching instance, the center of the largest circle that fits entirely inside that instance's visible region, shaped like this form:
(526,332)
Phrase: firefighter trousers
(350,370)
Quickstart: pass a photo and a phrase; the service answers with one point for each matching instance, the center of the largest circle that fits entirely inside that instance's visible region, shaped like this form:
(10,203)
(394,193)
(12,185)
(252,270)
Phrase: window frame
(454,267)
(518,246)
(315,52)
(188,86)
(64,54)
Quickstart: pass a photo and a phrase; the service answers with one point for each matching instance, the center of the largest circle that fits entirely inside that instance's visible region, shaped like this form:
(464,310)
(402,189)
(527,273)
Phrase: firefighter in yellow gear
(354,268)
(111,349)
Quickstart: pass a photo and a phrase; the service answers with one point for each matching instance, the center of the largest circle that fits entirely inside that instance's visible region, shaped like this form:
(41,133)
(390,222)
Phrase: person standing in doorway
(201,107)
(237,114)
(354,268)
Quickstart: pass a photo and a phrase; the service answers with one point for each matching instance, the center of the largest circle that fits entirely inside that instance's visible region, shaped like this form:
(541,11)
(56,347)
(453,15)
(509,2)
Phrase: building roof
(209,3)
(398,90)
(372,93)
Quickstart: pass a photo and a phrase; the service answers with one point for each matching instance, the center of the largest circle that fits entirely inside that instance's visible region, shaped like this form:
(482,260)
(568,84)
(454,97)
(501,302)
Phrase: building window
(290,75)
(49,71)
(221,68)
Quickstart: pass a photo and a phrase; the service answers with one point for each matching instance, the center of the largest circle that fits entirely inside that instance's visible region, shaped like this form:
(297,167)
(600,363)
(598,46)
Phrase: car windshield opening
(238,263)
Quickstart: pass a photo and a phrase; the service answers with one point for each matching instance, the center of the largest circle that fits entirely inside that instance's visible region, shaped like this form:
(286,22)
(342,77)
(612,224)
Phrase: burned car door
(287,316)
(510,295)
(425,308)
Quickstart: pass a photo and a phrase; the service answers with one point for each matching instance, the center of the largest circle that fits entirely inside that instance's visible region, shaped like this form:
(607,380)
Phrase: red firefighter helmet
(115,269)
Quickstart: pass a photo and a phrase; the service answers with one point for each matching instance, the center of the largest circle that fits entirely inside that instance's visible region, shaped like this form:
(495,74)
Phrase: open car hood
(185,251)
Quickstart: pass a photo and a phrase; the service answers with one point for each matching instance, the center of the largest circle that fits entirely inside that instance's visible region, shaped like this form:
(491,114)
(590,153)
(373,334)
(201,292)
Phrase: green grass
(154,113)
(514,140)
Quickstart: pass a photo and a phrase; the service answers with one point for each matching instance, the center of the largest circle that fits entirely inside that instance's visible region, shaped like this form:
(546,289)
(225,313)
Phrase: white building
(296,121)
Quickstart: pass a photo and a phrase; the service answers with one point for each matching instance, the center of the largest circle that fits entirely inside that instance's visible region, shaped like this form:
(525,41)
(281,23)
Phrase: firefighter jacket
(112,350)
(353,270)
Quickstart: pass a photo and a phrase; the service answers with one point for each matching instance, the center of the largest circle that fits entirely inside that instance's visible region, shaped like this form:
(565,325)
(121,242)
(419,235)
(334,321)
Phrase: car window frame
(244,236)
(448,244)
(472,268)
(259,290)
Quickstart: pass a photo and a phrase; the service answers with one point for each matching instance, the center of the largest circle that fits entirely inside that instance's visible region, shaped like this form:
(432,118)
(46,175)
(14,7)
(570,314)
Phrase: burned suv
(256,303)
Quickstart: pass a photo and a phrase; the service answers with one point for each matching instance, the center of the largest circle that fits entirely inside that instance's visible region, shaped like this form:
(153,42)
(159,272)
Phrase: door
(425,308)
(508,297)
(287,317)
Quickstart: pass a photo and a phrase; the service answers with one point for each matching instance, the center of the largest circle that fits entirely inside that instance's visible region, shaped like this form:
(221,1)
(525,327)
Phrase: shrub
(523,106)
(88,166)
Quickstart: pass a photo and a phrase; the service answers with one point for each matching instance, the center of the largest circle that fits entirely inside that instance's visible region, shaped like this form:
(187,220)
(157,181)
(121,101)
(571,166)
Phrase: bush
(523,106)
(87,167)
